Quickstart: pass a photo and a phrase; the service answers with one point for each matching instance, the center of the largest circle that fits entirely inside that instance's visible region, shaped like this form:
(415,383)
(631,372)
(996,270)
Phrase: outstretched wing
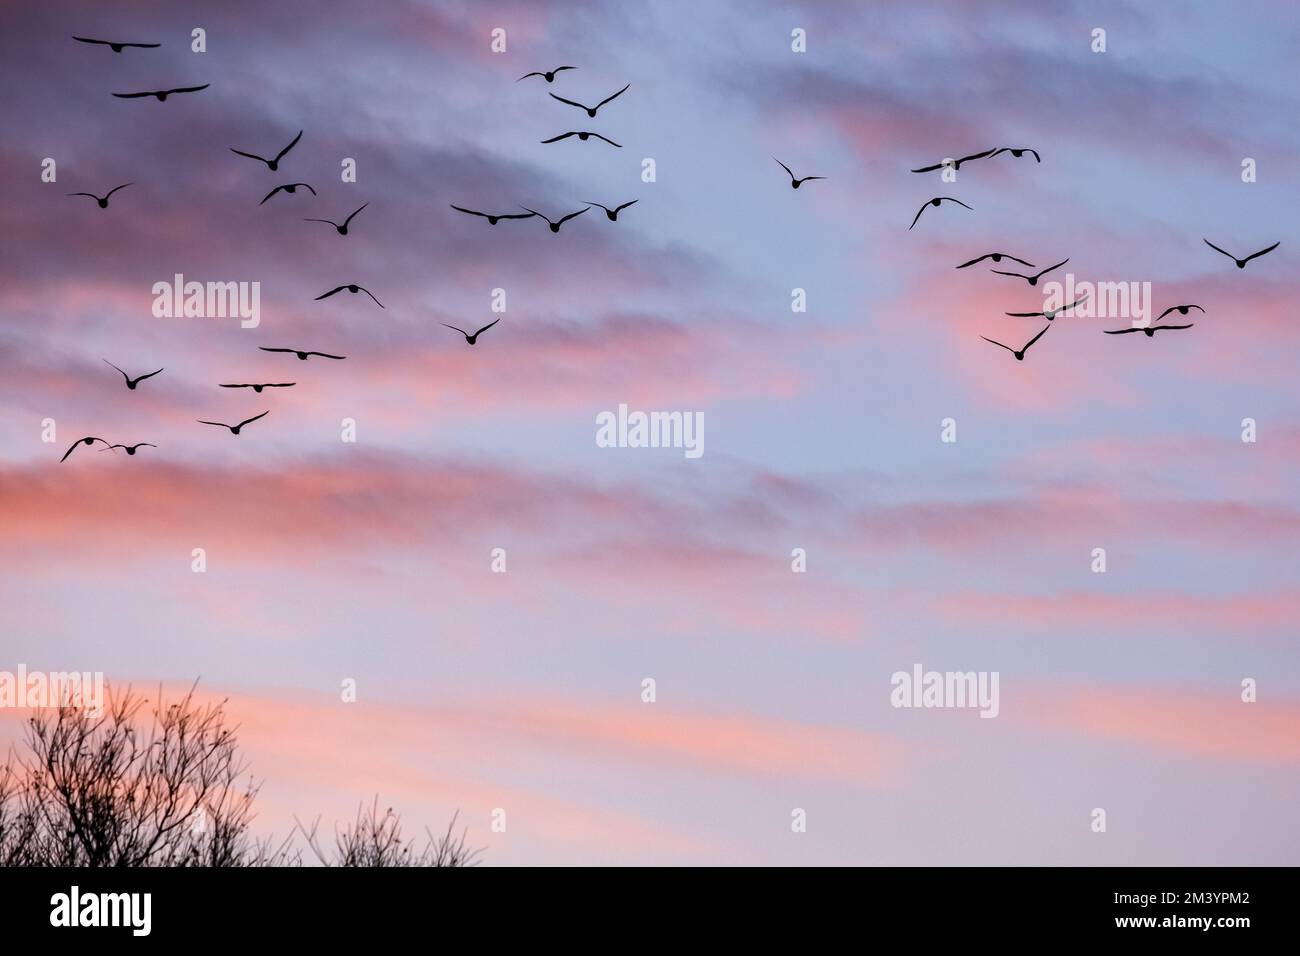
(280,155)
(556,139)
(608,98)
(486,327)
(330,293)
(1256,255)
(574,214)
(254,418)
(610,141)
(468,212)
(1217,249)
(131,96)
(249,155)
(570,102)
(349,219)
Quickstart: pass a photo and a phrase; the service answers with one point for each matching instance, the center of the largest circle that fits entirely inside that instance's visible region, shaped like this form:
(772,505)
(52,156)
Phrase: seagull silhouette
(1241,263)
(492,219)
(549,75)
(88,440)
(271,164)
(1150,330)
(1181,309)
(354,289)
(103,200)
(1018,353)
(1018,152)
(1048,314)
(794,183)
(555,226)
(956,163)
(934,202)
(234,429)
(289,188)
(582,136)
(130,449)
(303,353)
(117,46)
(131,383)
(612,214)
(996,257)
(258,388)
(343,229)
(591,110)
(471,339)
(1032,280)
(162,94)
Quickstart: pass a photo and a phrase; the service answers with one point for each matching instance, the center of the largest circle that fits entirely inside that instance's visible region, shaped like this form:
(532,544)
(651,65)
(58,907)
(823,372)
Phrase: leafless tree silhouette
(108,790)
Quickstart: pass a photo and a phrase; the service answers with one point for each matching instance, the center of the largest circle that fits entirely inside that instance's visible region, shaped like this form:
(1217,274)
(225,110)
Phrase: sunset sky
(371,560)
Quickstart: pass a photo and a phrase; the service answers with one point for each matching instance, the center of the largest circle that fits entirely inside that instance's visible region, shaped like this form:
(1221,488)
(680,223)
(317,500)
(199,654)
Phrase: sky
(371,560)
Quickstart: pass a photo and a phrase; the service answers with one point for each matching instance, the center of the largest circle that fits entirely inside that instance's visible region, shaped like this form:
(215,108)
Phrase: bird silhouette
(131,383)
(591,110)
(343,229)
(1018,152)
(130,449)
(1048,314)
(302,353)
(492,219)
(1150,330)
(582,136)
(612,214)
(162,95)
(271,164)
(472,338)
(956,163)
(117,46)
(103,200)
(287,187)
(258,388)
(794,183)
(1181,309)
(88,440)
(934,202)
(234,429)
(549,75)
(1020,352)
(555,226)
(354,289)
(1032,280)
(996,257)
(1241,263)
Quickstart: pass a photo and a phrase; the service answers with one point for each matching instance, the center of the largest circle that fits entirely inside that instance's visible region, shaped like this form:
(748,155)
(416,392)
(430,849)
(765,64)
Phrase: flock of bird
(1032,278)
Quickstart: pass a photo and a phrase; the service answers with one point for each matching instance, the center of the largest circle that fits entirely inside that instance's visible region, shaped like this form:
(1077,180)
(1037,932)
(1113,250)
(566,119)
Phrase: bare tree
(108,791)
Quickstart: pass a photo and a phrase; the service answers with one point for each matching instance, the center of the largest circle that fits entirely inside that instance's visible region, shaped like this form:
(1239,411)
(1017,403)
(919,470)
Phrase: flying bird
(103,200)
(582,136)
(289,188)
(549,75)
(258,388)
(302,355)
(343,229)
(131,383)
(118,46)
(130,449)
(234,429)
(492,219)
(271,164)
(1018,152)
(956,163)
(1032,280)
(794,183)
(996,257)
(472,338)
(354,289)
(1150,330)
(612,214)
(1019,353)
(88,440)
(1241,263)
(591,110)
(555,226)
(934,202)
(1048,314)
(162,94)
(1182,310)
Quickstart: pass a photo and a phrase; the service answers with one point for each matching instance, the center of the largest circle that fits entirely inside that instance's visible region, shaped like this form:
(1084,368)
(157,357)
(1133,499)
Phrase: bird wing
(486,327)
(131,96)
(806,178)
(1261,252)
(929,169)
(601,205)
(372,295)
(999,272)
(573,214)
(570,102)
(202,422)
(1159,327)
(279,384)
(349,219)
(1024,315)
(987,152)
(71,450)
(1050,268)
(330,293)
(89,40)
(1217,249)
(254,418)
(142,46)
(987,339)
(1035,338)
(91,195)
(280,155)
(973,261)
(957,201)
(189,89)
(116,188)
(533,212)
(150,375)
(249,155)
(461,331)
(270,194)
(556,139)
(1028,265)
(518,215)
(265,348)
(559,68)
(918,213)
(308,185)
(330,221)
(625,205)
(527,75)
(124,375)
(468,212)
(783,166)
(606,139)
(325,355)
(1120,331)
(614,97)
(245,385)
